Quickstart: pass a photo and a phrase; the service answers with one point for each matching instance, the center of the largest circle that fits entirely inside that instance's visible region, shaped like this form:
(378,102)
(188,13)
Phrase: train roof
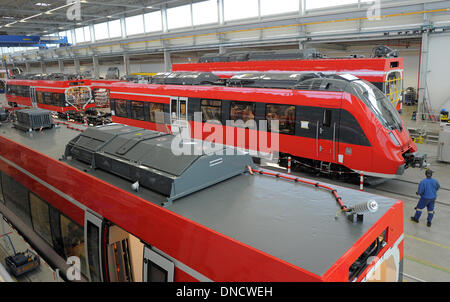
(305,54)
(275,80)
(288,220)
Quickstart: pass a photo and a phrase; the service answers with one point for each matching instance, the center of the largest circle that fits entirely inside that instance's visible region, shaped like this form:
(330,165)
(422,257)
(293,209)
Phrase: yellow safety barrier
(418,140)
(394,89)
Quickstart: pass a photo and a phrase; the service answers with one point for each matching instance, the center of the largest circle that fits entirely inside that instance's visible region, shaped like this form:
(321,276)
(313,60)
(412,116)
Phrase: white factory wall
(411,69)
(438,71)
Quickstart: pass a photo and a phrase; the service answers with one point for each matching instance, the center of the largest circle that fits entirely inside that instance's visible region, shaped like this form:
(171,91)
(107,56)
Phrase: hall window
(238,9)
(270,7)
(153,21)
(285,114)
(205,12)
(211,110)
(179,16)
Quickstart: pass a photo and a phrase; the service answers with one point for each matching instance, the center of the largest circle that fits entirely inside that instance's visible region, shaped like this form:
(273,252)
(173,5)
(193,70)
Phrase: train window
(244,111)
(40,97)
(16,198)
(285,114)
(73,241)
(137,110)
(48,98)
(93,251)
(55,225)
(10,89)
(40,218)
(157,113)
(57,99)
(121,108)
(211,110)
(327,114)
(155,273)
(156,267)
(24,91)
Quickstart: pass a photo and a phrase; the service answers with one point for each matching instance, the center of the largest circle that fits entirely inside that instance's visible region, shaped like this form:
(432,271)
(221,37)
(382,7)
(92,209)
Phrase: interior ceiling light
(42,4)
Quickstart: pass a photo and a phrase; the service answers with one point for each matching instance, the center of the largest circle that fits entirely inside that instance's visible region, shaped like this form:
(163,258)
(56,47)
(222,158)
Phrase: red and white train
(384,73)
(221,220)
(331,123)
(60,93)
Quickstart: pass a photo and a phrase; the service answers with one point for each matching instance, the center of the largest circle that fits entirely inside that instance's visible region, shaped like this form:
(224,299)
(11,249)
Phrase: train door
(33,97)
(179,116)
(326,136)
(156,267)
(125,256)
(93,229)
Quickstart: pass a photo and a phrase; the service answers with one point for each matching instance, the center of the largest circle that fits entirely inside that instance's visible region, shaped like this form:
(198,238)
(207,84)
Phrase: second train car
(335,124)
(386,73)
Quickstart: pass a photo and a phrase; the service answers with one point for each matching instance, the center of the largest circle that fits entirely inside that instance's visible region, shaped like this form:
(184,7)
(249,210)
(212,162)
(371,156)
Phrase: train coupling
(415,160)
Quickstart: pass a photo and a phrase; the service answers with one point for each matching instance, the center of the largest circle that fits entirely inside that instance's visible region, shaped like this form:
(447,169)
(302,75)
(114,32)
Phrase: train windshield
(379,104)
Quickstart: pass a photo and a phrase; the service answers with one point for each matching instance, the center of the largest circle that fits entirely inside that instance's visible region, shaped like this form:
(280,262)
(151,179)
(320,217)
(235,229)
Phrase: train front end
(393,149)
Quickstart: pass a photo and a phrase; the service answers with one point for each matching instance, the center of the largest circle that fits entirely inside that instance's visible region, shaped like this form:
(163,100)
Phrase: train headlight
(394,139)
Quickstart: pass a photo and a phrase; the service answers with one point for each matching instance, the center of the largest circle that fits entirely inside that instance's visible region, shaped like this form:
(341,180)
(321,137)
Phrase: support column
(126,63)
(61,65)
(95,67)
(76,62)
(422,88)
(167,61)
(43,67)
(27,67)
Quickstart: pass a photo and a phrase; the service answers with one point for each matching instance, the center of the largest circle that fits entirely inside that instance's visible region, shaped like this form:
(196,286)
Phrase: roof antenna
(135,186)
(356,212)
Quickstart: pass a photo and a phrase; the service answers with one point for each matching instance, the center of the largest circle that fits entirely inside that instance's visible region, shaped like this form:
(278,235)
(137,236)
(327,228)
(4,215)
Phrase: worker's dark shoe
(414,219)
(428,224)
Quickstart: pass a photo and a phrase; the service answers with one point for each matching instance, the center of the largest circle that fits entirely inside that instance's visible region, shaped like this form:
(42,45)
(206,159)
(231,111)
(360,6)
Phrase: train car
(333,124)
(384,73)
(64,94)
(117,203)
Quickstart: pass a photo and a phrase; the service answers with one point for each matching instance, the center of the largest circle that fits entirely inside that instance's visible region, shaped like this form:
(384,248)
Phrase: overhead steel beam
(391,11)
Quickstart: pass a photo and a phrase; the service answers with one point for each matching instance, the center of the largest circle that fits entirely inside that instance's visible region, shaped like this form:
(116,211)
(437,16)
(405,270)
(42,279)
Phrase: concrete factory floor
(426,249)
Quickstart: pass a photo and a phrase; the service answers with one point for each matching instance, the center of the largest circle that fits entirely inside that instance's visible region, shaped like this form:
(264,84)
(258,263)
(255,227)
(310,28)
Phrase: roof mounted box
(147,157)
(33,119)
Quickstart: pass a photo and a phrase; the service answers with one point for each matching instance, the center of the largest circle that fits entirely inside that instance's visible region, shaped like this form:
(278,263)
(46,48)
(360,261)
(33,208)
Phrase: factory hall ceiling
(39,17)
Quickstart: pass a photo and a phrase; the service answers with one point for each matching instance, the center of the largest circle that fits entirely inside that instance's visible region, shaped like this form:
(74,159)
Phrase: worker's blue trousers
(429,204)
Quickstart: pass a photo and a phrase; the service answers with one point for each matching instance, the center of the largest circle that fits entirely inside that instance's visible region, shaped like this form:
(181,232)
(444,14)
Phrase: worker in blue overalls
(428,188)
